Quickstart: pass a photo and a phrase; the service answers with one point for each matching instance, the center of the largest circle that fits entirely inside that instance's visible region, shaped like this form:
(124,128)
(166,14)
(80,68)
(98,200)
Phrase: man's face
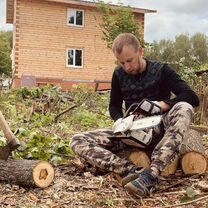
(130,59)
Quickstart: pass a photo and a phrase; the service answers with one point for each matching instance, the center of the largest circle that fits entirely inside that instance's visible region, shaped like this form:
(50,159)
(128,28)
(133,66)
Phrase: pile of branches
(44,119)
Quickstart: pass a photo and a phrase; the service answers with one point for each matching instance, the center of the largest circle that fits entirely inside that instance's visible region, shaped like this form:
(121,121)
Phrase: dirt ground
(73,188)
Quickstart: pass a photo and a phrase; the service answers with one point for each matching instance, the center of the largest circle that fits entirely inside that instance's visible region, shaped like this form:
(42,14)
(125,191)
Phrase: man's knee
(183,105)
(183,109)
(76,140)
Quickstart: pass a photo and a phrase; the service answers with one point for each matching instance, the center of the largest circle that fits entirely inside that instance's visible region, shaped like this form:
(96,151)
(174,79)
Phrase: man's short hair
(125,39)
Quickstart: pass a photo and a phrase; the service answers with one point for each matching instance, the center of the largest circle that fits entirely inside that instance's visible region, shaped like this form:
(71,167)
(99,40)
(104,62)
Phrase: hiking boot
(131,175)
(143,185)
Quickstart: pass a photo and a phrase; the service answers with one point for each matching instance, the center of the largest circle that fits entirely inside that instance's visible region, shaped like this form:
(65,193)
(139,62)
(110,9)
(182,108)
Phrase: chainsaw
(136,127)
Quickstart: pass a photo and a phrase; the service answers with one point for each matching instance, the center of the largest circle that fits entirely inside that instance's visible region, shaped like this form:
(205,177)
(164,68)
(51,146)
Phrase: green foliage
(42,120)
(31,114)
(199,43)
(186,54)
(25,92)
(109,202)
(117,20)
(162,50)
(5,52)
(194,49)
(190,195)
(186,73)
(85,119)
(37,146)
(3,140)
(182,48)
(91,111)
(87,98)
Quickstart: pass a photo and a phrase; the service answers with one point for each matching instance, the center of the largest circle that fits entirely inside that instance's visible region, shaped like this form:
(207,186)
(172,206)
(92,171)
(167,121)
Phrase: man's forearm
(115,113)
(164,106)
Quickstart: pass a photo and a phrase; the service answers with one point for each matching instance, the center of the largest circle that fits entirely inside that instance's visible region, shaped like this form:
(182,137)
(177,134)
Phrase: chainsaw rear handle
(149,110)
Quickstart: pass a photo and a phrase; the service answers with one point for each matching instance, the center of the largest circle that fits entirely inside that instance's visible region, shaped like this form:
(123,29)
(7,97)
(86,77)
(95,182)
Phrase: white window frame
(73,65)
(74,24)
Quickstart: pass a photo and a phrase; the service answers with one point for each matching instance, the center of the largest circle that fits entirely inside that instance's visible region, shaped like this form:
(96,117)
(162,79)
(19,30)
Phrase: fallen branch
(173,185)
(180,182)
(189,202)
(65,111)
(171,193)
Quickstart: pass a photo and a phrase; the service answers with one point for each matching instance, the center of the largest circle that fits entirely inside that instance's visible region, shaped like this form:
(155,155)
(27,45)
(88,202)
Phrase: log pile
(193,158)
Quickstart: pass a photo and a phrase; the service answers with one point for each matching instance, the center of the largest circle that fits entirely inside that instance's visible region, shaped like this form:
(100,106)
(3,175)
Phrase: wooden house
(60,42)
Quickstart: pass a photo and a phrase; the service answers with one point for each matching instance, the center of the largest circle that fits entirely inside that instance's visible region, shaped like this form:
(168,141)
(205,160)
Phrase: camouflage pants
(99,150)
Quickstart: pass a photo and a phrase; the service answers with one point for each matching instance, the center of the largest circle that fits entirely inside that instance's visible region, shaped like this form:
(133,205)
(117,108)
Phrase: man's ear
(141,52)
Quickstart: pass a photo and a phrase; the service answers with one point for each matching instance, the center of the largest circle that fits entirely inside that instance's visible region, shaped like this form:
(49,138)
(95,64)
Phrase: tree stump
(31,173)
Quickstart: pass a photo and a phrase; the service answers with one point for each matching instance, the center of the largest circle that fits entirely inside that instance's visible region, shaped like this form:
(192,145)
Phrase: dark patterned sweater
(156,83)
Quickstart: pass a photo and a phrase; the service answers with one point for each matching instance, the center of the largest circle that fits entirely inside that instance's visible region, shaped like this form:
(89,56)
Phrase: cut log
(194,154)
(193,142)
(140,158)
(31,173)
(193,163)
(171,169)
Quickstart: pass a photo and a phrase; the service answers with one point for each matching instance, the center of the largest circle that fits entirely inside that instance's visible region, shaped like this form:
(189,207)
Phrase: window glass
(78,58)
(74,58)
(79,18)
(70,57)
(75,17)
(72,14)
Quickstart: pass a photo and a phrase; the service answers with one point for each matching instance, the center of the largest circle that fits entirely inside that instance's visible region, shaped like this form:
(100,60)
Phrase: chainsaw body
(135,128)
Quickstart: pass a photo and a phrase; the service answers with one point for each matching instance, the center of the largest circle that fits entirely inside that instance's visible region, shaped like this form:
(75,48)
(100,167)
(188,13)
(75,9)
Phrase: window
(75,58)
(75,17)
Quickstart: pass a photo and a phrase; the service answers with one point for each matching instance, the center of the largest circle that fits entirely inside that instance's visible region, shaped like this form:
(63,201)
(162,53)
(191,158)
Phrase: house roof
(10,7)
(93,4)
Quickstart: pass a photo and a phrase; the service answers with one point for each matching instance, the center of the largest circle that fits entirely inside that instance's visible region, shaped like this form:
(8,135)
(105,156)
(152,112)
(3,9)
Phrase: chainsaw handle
(141,111)
(148,112)
(128,110)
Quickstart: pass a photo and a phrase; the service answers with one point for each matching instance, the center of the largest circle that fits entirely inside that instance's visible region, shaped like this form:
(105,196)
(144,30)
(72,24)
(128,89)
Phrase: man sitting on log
(133,80)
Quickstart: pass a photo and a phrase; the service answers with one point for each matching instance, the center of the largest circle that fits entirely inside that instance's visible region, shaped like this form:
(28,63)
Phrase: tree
(162,50)
(116,21)
(152,51)
(183,48)
(186,54)
(199,43)
(5,51)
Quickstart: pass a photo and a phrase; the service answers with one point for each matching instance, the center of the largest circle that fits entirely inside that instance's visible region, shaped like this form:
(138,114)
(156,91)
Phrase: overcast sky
(173,17)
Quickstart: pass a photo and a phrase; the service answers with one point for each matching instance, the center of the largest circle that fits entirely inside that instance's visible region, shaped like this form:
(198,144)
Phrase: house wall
(42,37)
